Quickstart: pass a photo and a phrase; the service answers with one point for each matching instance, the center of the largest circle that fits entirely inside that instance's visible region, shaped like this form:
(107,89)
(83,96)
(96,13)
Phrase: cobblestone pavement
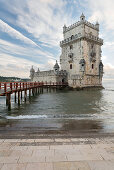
(57,154)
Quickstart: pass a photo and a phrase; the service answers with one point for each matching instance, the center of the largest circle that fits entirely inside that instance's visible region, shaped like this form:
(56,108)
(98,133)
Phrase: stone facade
(80,58)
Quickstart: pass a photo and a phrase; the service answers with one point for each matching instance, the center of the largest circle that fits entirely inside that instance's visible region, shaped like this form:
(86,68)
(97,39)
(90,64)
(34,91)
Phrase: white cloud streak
(4,27)
(43,19)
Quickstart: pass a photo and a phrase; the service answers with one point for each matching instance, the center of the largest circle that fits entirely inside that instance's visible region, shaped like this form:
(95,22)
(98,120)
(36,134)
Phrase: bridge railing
(6,87)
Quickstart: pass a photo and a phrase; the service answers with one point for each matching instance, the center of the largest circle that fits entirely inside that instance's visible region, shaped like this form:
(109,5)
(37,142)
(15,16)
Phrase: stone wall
(50,76)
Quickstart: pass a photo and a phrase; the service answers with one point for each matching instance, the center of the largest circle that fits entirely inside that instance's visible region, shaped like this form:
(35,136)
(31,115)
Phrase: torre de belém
(80,60)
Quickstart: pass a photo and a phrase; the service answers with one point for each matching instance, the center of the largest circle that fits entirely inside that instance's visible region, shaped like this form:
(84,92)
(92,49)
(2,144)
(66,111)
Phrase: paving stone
(62,147)
(44,140)
(82,146)
(107,155)
(22,140)
(75,157)
(43,152)
(71,166)
(9,159)
(79,139)
(62,140)
(5,148)
(5,144)
(10,140)
(4,153)
(32,159)
(101,165)
(29,140)
(39,166)
(2,140)
(14,167)
(39,147)
(21,153)
(1,165)
(24,148)
(103,146)
(58,156)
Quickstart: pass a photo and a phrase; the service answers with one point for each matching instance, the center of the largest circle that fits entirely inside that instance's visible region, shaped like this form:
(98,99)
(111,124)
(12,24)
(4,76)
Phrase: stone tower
(81,54)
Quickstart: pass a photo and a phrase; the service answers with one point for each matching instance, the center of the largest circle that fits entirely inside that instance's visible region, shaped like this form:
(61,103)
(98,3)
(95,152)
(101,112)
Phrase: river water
(61,112)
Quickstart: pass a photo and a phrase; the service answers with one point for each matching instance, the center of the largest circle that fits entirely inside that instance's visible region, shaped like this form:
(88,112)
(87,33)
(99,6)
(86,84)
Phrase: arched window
(71,47)
(72,37)
(70,66)
(92,66)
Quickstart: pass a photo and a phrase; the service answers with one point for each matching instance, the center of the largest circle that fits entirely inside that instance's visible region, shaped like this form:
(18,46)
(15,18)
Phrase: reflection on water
(68,111)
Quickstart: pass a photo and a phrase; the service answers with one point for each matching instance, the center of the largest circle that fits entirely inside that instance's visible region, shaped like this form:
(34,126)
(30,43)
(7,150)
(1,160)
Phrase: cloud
(17,66)
(4,27)
(102,11)
(16,60)
(42,19)
(15,49)
(109,70)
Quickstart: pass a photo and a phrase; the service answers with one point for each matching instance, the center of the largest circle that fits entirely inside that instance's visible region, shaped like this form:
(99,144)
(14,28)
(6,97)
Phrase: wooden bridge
(8,88)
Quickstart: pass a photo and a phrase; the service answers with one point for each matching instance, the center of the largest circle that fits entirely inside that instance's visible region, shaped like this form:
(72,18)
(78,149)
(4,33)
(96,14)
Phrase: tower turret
(32,71)
(82,17)
(56,68)
(97,25)
(64,28)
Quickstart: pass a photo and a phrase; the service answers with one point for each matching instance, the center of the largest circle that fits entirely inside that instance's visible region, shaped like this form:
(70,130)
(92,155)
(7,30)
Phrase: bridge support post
(29,93)
(8,101)
(18,97)
(49,89)
(15,97)
(21,95)
(33,91)
(25,96)
(36,90)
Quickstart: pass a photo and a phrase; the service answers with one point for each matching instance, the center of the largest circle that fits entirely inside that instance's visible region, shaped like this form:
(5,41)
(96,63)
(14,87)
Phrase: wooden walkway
(8,88)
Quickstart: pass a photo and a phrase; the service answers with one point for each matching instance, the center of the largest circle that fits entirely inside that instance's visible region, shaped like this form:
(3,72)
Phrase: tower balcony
(80,36)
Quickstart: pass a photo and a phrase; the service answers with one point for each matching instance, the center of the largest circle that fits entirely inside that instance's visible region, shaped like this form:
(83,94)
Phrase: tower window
(70,66)
(72,37)
(71,47)
(92,46)
(92,66)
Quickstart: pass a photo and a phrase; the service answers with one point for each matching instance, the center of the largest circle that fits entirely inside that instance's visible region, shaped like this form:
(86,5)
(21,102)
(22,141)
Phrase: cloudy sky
(30,32)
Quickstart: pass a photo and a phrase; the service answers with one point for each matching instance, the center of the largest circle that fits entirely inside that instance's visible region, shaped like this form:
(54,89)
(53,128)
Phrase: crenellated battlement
(49,73)
(94,26)
(79,36)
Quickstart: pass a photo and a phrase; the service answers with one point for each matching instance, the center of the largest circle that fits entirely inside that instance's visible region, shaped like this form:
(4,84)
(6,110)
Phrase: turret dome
(32,69)
(56,65)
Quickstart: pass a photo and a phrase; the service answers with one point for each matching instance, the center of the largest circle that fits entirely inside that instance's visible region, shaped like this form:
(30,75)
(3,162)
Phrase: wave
(26,117)
(63,117)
